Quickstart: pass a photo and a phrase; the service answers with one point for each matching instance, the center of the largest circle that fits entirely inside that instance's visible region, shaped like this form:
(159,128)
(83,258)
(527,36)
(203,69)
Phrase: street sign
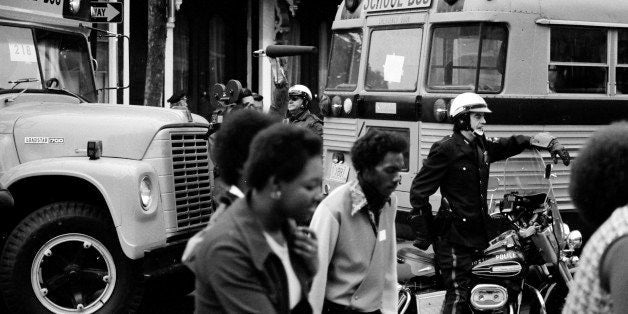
(106,12)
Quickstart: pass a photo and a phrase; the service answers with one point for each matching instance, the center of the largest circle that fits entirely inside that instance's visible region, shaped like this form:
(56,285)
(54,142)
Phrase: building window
(216,50)
(181,56)
(578,60)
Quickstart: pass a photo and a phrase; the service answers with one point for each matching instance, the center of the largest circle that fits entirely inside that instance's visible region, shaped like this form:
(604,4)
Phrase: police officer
(298,112)
(459,165)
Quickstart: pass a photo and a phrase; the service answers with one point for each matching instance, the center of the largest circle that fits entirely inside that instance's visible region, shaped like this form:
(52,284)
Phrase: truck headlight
(146,192)
(488,297)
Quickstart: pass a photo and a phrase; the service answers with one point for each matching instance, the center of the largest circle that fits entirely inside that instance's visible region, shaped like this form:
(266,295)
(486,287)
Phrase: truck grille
(192,179)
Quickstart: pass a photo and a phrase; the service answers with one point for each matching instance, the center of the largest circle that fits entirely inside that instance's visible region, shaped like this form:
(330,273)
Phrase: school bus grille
(192,179)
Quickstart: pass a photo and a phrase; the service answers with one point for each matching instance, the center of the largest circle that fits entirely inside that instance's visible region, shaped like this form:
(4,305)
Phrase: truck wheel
(64,258)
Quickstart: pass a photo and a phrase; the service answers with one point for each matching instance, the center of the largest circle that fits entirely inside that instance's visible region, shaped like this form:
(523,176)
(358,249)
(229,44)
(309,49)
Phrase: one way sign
(106,12)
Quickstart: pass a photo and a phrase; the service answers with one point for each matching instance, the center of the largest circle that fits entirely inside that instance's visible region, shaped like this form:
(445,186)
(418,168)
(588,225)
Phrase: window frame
(346,31)
(609,66)
(420,27)
(478,67)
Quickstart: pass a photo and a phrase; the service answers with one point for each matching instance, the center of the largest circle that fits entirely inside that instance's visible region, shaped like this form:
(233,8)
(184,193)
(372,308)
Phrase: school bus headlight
(146,192)
(336,106)
(325,105)
(440,110)
(347,105)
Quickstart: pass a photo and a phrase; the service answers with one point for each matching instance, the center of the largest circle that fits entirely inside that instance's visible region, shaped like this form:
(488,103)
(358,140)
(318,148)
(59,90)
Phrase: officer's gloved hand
(421,226)
(421,243)
(549,142)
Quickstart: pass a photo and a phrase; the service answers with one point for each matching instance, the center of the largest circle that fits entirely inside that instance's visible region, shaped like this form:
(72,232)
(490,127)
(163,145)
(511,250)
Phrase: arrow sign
(106,12)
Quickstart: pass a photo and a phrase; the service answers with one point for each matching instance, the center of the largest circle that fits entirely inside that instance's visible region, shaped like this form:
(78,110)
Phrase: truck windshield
(65,63)
(61,58)
(393,59)
(454,57)
(346,49)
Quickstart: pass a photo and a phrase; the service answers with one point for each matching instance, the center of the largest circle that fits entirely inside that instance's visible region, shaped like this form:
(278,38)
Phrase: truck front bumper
(165,261)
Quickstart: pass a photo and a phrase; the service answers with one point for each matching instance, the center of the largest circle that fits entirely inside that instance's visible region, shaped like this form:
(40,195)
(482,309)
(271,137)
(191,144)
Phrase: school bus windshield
(344,64)
(393,59)
(454,62)
(45,59)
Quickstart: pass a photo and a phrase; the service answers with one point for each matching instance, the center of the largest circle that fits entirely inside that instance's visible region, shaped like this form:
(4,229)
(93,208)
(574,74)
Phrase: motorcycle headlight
(574,240)
(488,297)
(146,195)
(566,231)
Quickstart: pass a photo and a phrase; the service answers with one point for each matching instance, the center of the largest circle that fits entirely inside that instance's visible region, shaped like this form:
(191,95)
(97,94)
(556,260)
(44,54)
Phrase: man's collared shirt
(357,265)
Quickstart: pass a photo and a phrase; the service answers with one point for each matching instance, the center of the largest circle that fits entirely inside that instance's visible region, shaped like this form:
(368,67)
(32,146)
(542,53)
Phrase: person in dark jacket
(459,165)
(256,260)
(299,98)
(231,150)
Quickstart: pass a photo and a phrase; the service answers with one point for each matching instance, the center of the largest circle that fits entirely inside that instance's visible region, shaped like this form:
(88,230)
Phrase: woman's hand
(305,245)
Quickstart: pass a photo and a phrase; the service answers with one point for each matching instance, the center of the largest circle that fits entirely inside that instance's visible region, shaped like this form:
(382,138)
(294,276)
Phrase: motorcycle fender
(118,181)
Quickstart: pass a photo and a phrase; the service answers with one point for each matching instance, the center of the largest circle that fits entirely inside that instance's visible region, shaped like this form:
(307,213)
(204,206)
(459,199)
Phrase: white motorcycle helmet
(300,90)
(462,106)
(468,102)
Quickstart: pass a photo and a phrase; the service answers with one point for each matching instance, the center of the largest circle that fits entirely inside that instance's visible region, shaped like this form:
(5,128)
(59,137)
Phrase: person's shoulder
(338,196)
(445,143)
(447,139)
(313,118)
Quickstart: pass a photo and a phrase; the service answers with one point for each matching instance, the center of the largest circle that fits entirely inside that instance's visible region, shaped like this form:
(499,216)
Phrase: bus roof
(584,12)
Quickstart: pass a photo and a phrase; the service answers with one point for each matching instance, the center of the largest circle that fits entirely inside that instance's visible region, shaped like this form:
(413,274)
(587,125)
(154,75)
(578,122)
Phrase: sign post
(106,12)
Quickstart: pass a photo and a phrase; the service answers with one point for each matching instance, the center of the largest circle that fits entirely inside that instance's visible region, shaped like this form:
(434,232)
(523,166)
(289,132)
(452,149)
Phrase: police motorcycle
(527,267)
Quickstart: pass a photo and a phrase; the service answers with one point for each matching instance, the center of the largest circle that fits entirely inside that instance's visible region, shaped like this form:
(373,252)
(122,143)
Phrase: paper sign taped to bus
(339,172)
(393,68)
(389,5)
(19,52)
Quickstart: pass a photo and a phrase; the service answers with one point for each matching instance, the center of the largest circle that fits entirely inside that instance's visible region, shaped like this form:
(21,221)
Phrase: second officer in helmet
(298,113)
(459,165)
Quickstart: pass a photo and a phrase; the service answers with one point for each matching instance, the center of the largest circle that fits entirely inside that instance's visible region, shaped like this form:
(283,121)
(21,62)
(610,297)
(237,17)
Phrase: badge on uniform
(381,236)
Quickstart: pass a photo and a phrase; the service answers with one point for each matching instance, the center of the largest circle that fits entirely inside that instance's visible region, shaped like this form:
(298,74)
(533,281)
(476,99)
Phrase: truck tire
(64,258)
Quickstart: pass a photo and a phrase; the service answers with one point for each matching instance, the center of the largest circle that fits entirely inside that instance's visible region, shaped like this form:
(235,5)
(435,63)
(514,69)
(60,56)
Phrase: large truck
(105,195)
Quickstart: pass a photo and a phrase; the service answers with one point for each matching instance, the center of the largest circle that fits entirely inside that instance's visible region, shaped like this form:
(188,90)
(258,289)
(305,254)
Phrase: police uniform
(306,119)
(460,168)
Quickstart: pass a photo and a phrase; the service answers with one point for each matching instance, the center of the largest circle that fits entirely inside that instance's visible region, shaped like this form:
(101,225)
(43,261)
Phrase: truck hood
(47,130)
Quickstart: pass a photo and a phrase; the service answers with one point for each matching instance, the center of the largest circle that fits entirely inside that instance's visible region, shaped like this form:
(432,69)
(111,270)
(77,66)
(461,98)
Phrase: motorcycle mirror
(548,171)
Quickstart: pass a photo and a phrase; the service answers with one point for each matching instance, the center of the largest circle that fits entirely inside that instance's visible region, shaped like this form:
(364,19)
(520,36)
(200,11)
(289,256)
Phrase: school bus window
(393,59)
(344,64)
(622,62)
(578,62)
(18,58)
(454,57)
(405,133)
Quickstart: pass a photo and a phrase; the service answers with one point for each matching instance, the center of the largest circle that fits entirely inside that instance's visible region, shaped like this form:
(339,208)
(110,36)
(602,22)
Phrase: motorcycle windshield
(525,174)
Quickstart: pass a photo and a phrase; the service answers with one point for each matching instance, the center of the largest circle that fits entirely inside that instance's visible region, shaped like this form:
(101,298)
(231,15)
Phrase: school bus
(543,65)
(105,195)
